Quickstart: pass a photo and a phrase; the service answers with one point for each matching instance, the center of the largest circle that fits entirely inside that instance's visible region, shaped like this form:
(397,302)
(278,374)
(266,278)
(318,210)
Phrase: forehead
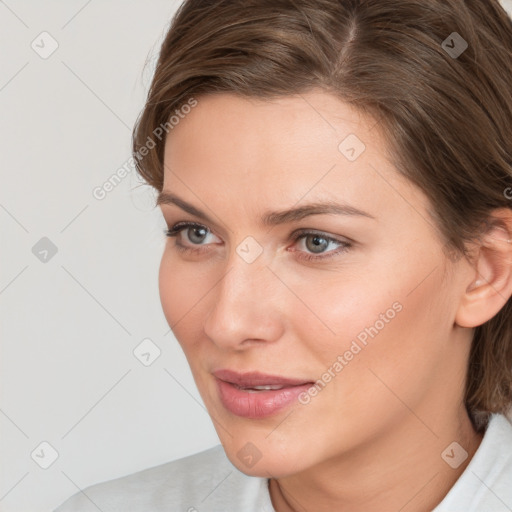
(279,152)
(238,136)
(285,126)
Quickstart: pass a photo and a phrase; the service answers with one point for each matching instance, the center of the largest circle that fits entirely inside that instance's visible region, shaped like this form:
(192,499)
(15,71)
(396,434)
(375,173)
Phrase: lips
(257,395)
(253,379)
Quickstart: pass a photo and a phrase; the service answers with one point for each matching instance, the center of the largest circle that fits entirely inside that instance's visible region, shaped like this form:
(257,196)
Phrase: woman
(336,177)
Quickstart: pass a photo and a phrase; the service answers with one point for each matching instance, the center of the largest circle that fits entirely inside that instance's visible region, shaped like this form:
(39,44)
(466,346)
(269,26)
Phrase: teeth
(267,387)
(262,388)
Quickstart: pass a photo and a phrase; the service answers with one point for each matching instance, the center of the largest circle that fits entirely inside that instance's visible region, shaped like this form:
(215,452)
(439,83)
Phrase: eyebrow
(272,218)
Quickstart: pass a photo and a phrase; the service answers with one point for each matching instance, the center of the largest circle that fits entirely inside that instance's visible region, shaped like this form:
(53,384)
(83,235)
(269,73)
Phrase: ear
(490,285)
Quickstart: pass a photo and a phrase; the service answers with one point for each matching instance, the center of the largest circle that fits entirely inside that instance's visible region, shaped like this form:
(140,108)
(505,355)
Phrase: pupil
(195,232)
(319,242)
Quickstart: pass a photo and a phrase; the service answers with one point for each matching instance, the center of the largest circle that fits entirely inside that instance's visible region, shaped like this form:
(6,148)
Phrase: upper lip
(250,379)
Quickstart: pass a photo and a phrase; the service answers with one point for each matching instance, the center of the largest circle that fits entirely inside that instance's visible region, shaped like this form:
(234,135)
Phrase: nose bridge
(243,304)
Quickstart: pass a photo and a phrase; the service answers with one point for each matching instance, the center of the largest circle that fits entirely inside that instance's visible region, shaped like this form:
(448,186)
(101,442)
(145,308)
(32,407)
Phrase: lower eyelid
(343,247)
(178,228)
(329,239)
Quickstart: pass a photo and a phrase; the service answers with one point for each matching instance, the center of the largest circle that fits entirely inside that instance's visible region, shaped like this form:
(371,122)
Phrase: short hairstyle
(445,109)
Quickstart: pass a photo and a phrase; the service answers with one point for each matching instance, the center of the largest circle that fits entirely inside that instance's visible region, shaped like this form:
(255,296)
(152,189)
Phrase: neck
(402,470)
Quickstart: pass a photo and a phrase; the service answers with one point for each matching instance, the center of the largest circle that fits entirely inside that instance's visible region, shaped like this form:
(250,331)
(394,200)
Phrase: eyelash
(180,226)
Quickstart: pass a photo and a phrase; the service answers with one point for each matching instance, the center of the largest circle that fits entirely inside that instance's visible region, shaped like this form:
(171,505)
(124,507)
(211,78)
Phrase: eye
(195,234)
(316,242)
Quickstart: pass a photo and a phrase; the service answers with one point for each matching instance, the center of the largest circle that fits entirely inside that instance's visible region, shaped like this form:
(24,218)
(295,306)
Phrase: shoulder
(189,484)
(485,483)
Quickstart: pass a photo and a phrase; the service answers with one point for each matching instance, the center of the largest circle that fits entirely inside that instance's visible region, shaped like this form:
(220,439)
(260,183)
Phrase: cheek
(179,292)
(392,345)
(398,297)
(339,308)
(390,323)
(168,285)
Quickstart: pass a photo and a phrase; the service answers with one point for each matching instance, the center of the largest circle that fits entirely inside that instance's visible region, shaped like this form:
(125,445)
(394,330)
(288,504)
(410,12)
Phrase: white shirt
(208,482)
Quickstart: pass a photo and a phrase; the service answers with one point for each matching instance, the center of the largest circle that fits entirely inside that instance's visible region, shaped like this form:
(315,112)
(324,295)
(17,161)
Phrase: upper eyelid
(186,224)
(295,234)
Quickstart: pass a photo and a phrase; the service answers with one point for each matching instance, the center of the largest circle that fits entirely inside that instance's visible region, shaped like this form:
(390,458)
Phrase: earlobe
(491,285)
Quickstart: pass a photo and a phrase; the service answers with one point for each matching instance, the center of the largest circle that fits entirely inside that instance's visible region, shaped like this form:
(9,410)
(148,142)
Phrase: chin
(266,467)
(262,458)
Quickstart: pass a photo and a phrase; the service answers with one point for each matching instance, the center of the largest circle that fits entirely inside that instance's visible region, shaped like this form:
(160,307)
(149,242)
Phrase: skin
(372,438)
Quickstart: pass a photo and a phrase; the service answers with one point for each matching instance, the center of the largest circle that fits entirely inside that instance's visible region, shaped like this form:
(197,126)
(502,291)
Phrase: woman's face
(370,319)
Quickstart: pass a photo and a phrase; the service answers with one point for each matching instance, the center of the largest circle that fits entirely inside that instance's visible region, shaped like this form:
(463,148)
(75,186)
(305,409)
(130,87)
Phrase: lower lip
(258,404)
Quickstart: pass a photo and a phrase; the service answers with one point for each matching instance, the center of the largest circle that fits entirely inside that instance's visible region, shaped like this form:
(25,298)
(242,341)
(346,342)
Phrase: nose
(246,306)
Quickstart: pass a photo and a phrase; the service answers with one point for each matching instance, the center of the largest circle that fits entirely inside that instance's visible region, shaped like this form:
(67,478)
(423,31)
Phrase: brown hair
(447,117)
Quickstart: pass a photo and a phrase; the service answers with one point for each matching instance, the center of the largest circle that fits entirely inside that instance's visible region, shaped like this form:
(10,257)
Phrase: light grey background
(69,325)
